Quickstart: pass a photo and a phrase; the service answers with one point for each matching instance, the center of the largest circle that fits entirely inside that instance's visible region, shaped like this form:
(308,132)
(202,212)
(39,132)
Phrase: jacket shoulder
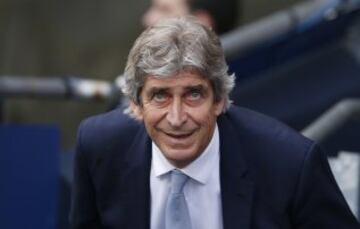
(266,130)
(105,131)
(272,149)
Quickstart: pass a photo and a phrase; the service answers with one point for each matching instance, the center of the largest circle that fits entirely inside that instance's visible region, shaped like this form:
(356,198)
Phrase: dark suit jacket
(271,177)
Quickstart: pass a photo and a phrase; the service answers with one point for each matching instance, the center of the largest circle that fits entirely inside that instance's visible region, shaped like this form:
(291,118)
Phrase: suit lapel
(236,186)
(137,175)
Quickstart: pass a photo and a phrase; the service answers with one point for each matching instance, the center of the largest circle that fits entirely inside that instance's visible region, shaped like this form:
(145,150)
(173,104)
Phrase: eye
(160,97)
(194,95)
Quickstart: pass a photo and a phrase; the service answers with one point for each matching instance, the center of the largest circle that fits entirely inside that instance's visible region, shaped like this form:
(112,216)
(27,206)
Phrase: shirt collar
(199,170)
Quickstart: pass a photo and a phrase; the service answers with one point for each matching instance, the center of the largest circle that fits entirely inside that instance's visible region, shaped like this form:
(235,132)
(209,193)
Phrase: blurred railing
(330,122)
(298,17)
(57,87)
(69,87)
(333,119)
(292,20)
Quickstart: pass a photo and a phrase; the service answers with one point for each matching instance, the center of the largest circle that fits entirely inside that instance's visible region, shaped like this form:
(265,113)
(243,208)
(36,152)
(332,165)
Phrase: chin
(180,157)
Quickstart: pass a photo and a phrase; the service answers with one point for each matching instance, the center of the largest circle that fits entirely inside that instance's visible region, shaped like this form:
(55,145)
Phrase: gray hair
(172,46)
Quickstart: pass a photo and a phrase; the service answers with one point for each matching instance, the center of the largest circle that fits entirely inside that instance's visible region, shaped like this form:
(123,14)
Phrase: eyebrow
(199,87)
(155,90)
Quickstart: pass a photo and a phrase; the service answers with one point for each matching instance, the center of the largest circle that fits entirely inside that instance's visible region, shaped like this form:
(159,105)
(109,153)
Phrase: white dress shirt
(202,191)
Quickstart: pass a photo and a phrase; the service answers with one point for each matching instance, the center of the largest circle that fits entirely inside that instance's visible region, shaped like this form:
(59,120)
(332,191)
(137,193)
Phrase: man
(189,159)
(221,15)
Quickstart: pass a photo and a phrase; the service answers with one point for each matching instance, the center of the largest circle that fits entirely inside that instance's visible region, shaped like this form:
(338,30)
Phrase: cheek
(204,116)
(152,116)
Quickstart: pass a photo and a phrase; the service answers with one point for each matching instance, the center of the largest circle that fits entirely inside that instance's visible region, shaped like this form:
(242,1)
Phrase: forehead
(180,81)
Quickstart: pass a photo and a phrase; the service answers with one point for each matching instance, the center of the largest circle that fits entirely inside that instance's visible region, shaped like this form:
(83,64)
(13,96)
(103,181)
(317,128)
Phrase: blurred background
(89,39)
(298,61)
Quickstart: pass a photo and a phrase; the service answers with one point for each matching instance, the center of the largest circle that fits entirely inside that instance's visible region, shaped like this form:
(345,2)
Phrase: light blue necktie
(177,214)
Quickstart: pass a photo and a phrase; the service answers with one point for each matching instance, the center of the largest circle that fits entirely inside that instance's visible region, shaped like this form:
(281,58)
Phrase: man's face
(161,9)
(179,114)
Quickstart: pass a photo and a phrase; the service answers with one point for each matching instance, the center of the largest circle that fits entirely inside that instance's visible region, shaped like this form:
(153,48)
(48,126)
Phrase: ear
(219,107)
(136,110)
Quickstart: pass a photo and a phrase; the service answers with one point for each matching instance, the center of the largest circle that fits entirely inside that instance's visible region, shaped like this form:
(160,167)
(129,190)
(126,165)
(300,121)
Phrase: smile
(179,136)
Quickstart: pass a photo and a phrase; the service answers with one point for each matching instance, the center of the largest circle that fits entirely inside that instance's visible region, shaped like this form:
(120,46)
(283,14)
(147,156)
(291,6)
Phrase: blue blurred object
(66,162)
(300,76)
(345,139)
(29,176)
(298,42)
(1,110)
(304,69)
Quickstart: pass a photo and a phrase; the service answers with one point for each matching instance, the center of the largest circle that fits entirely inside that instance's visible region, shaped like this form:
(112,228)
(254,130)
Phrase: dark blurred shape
(283,25)
(17,86)
(1,111)
(64,203)
(300,91)
(332,128)
(301,72)
(29,176)
(333,119)
(71,87)
(224,13)
(161,9)
(345,138)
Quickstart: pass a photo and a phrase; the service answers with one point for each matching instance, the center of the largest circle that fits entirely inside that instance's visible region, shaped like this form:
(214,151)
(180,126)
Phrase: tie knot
(178,180)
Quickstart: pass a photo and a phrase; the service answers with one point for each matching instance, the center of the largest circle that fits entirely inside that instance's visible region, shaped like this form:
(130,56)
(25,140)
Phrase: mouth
(180,135)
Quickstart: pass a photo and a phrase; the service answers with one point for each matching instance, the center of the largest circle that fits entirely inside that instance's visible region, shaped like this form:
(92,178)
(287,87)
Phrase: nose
(176,115)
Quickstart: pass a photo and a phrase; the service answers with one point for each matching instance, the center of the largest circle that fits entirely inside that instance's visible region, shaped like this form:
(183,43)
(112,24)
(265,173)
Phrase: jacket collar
(236,185)
(137,174)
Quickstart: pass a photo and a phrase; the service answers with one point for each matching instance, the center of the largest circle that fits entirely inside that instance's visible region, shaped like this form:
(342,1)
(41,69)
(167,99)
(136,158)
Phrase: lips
(179,136)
